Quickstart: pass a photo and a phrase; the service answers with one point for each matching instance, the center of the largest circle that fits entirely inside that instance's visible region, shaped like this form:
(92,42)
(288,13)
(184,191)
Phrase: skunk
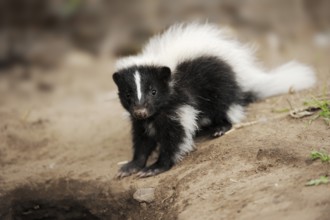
(192,78)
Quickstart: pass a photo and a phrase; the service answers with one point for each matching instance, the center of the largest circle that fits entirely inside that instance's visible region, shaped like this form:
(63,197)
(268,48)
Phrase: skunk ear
(116,77)
(165,73)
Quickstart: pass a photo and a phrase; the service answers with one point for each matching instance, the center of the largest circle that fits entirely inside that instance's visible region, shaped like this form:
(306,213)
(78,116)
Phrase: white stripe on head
(138,84)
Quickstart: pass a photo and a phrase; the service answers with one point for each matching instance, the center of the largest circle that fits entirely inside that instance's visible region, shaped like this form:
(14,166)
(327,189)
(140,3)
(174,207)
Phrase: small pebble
(144,195)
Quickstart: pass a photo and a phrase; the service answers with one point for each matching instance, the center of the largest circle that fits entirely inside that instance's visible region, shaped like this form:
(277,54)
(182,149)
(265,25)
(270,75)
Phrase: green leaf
(320,155)
(315,182)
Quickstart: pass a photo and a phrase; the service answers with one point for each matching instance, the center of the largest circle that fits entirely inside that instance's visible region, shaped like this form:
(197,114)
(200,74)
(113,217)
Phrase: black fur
(205,83)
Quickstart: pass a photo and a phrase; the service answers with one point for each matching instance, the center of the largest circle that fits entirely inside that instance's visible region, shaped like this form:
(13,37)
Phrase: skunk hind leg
(216,129)
(219,128)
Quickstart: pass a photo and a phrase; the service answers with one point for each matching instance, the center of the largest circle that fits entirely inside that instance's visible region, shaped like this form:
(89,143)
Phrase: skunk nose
(140,113)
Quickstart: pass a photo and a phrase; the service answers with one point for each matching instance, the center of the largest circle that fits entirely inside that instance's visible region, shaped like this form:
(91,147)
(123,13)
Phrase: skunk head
(143,90)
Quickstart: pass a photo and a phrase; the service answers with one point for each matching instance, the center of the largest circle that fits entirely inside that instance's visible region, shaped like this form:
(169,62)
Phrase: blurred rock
(144,195)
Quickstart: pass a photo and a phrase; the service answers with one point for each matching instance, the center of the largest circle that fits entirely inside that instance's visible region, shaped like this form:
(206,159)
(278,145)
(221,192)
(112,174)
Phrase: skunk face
(143,90)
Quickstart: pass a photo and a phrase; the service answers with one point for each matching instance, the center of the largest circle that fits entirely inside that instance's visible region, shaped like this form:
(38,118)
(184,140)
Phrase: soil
(63,133)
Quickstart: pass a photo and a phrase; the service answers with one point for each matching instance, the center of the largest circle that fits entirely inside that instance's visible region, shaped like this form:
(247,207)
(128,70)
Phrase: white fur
(150,129)
(204,122)
(187,116)
(235,113)
(290,76)
(185,41)
(137,78)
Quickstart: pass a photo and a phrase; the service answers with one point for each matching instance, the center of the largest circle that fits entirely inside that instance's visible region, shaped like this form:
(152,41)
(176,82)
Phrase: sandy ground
(63,133)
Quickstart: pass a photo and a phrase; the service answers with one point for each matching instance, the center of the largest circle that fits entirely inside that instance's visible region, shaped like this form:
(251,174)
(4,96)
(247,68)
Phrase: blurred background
(37,36)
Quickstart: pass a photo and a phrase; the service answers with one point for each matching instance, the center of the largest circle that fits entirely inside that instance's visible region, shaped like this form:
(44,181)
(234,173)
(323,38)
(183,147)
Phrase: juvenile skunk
(192,78)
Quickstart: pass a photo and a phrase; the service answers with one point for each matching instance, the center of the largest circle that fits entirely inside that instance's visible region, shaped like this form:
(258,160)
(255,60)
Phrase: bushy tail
(290,76)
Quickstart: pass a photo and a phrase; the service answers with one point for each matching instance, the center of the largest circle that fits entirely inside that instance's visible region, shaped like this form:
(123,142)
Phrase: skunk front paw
(128,169)
(153,170)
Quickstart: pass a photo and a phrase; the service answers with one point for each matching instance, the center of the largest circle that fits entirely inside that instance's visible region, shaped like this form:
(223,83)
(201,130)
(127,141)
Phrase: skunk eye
(128,95)
(153,92)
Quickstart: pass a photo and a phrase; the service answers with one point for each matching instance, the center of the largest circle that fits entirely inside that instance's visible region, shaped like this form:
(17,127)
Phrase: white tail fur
(290,76)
